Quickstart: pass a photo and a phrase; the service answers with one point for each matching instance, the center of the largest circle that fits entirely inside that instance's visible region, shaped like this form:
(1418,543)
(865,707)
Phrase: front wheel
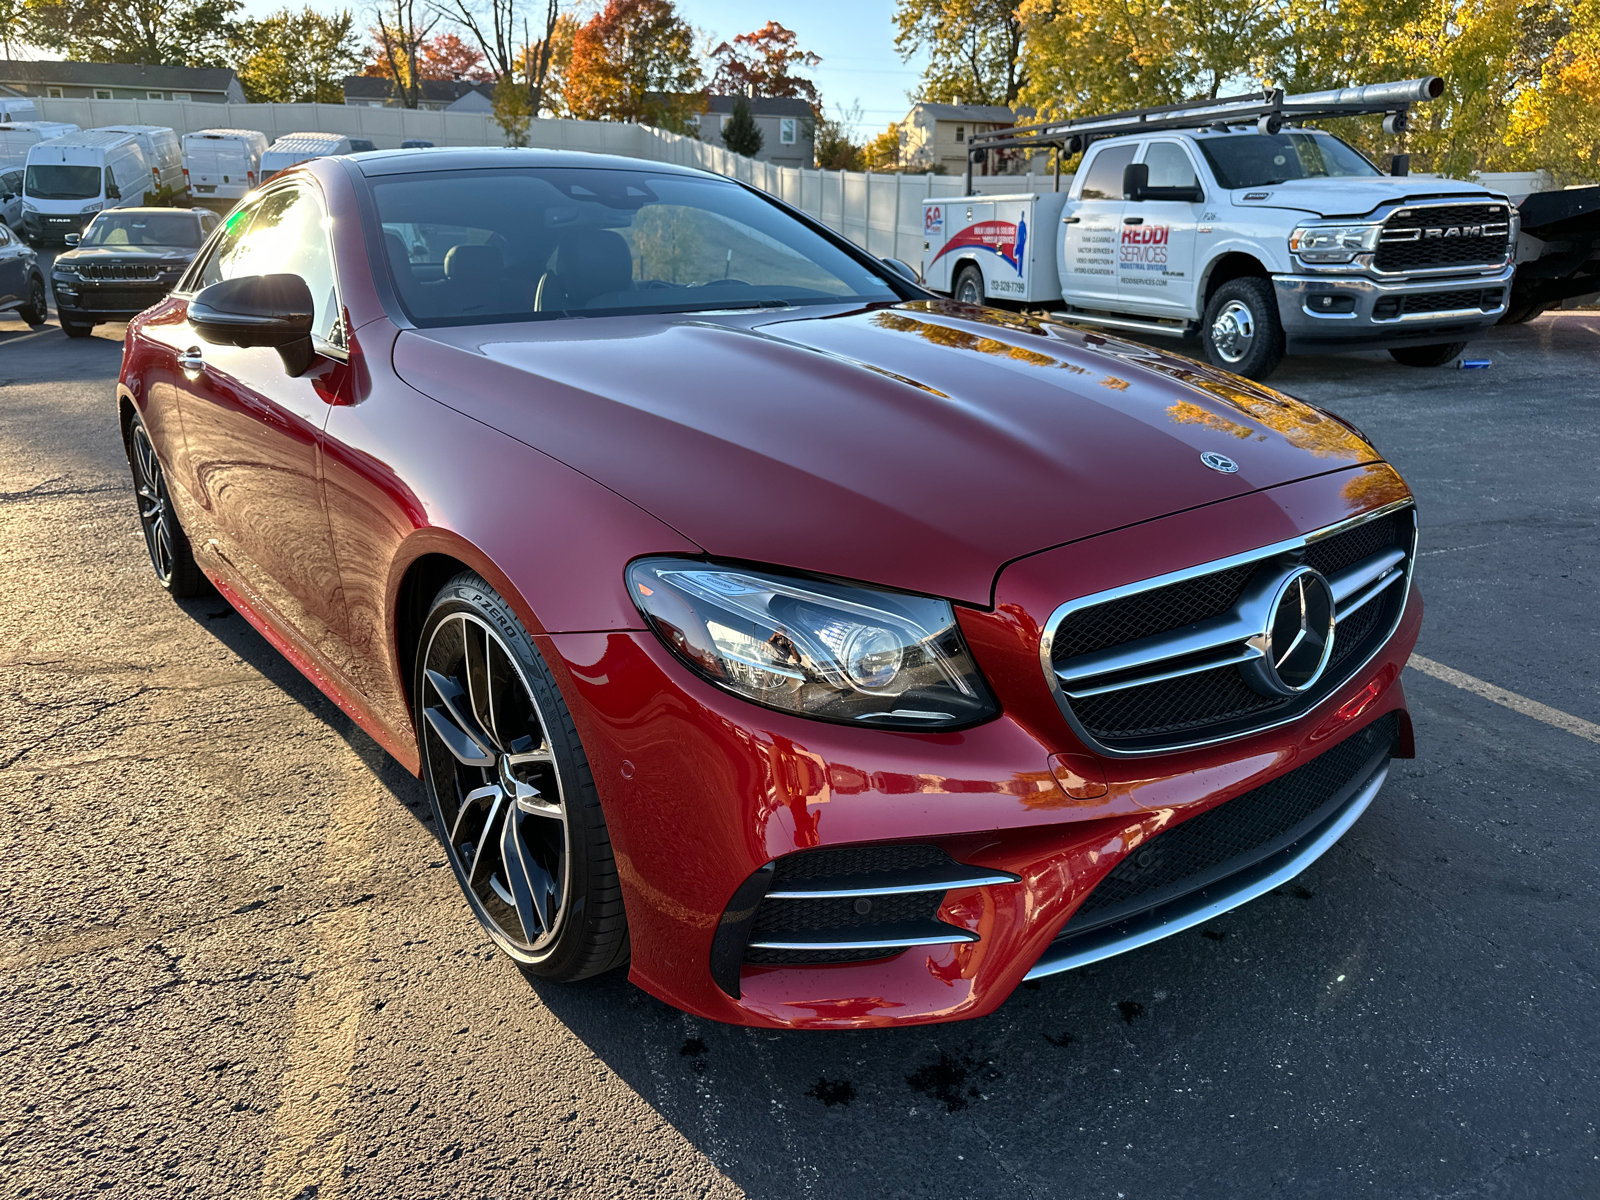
(969,285)
(1241,331)
(1426,356)
(164,538)
(512,794)
(37,310)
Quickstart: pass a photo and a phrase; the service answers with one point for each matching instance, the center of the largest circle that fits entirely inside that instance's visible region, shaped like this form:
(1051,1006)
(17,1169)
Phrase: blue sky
(854,37)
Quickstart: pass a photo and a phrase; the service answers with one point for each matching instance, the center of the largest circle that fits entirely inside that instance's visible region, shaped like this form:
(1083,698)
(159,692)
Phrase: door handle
(1070,220)
(1133,220)
(192,362)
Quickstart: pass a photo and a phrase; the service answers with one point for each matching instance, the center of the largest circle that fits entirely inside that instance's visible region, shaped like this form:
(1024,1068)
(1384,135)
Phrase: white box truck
(222,165)
(294,148)
(18,137)
(164,156)
(1222,219)
(69,179)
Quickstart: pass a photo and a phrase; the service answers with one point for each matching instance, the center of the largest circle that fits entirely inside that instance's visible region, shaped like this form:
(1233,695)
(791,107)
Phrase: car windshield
(1249,160)
(54,181)
(468,247)
(142,229)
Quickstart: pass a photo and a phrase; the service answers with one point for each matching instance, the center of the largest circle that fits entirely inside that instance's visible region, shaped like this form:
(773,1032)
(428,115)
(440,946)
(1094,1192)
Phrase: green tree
(741,134)
(189,33)
(15,25)
(974,48)
(513,109)
(297,57)
(831,140)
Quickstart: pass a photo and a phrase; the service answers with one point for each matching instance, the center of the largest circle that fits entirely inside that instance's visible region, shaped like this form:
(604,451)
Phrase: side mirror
(1135,181)
(113,192)
(902,269)
(72,239)
(8,198)
(258,310)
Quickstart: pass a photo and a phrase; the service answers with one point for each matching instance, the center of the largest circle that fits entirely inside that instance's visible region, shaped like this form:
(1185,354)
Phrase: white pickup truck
(1261,238)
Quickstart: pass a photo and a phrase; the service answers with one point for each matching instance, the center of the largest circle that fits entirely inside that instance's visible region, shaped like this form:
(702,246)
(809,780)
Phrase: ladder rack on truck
(1270,109)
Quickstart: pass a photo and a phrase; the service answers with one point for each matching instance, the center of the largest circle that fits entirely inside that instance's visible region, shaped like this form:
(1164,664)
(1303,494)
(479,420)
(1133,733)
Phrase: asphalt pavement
(234,961)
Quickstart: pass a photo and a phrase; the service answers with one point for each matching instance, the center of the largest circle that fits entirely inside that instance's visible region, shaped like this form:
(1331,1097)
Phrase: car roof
(464,158)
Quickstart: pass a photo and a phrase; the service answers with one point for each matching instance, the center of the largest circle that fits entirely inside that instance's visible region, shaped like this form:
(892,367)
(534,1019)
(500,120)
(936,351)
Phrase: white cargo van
(17,108)
(18,137)
(294,148)
(69,179)
(163,155)
(222,165)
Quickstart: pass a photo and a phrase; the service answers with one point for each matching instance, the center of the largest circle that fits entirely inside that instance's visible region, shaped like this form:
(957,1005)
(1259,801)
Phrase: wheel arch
(1233,265)
(968,260)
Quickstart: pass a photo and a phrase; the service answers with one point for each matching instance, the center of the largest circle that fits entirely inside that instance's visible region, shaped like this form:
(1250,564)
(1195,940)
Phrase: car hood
(159,255)
(1351,197)
(920,445)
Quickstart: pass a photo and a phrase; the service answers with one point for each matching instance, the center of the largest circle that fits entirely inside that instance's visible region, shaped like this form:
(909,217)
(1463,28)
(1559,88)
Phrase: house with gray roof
(438,95)
(788,129)
(121,81)
(934,137)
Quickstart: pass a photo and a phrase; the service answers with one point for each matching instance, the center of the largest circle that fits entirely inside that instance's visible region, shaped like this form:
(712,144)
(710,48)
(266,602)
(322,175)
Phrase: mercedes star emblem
(1298,638)
(1219,462)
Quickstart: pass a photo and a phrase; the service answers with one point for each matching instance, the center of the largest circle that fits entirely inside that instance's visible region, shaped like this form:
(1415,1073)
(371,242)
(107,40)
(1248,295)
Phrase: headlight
(1333,243)
(26,207)
(826,650)
(65,271)
(90,208)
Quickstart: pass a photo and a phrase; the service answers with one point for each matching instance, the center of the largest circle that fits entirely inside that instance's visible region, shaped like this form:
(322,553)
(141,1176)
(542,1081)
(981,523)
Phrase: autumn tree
(190,33)
(832,143)
(297,57)
(16,20)
(763,64)
(635,61)
(974,48)
(402,30)
(1557,122)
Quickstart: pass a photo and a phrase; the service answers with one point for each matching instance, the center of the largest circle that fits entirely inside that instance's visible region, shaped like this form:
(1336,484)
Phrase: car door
(1091,227)
(13,268)
(11,198)
(1155,256)
(253,433)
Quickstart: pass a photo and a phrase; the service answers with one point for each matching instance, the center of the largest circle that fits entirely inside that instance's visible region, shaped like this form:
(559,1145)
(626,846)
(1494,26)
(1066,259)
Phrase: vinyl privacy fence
(880,213)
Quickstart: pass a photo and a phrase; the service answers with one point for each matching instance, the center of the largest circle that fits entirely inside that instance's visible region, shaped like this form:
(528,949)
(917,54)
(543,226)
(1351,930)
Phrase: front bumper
(96,302)
(701,790)
(56,226)
(1361,313)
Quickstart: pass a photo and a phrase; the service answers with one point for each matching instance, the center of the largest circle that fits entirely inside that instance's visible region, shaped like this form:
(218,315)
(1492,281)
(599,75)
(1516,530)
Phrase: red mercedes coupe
(833,654)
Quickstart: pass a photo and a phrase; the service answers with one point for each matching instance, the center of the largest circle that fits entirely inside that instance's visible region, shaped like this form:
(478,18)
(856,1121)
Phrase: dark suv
(125,261)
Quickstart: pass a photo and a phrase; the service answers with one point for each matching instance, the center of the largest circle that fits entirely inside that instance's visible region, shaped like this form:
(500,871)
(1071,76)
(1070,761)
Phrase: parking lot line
(1521,704)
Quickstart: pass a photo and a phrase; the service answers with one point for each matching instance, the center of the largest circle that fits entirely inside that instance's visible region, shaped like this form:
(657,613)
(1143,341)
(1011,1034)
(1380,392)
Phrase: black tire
(968,284)
(170,553)
(37,310)
(1521,314)
(73,330)
(538,873)
(1241,331)
(1426,356)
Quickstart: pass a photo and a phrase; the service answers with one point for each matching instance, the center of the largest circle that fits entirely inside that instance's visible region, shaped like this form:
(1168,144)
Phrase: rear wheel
(37,310)
(513,797)
(1241,331)
(969,285)
(1426,356)
(164,538)
(73,330)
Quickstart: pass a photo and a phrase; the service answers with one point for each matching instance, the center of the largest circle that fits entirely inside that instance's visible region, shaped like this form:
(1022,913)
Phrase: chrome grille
(1176,677)
(1428,236)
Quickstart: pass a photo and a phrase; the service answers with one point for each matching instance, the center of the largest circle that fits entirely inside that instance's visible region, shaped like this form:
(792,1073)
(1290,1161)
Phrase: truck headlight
(90,208)
(832,651)
(26,207)
(1333,243)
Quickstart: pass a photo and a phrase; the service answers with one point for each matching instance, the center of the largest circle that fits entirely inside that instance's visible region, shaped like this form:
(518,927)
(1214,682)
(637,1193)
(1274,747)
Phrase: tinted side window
(1169,166)
(289,236)
(1104,181)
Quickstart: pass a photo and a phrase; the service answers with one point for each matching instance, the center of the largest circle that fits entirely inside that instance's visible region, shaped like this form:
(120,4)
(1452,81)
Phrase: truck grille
(1487,299)
(1235,834)
(1444,235)
(1160,668)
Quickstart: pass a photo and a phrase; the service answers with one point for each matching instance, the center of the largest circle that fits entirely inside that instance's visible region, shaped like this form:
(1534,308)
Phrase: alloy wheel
(498,793)
(1233,331)
(155,510)
(969,292)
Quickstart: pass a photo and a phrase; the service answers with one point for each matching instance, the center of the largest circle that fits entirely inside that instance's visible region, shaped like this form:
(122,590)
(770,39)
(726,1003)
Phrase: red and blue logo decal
(1001,238)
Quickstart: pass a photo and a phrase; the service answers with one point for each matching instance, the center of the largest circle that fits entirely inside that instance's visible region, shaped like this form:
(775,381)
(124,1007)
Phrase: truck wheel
(1241,331)
(1426,356)
(969,285)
